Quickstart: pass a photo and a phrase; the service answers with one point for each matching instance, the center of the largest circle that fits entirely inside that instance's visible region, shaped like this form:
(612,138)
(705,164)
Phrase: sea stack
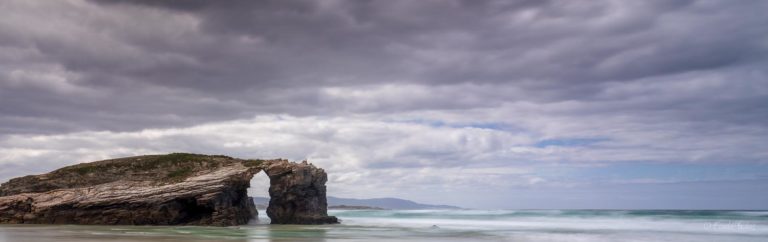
(173,189)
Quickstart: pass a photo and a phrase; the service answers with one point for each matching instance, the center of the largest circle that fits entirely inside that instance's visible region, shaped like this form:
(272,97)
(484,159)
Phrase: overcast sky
(481,104)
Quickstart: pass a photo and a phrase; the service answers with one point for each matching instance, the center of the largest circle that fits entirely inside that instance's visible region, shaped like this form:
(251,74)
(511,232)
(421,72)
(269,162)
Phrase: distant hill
(385,203)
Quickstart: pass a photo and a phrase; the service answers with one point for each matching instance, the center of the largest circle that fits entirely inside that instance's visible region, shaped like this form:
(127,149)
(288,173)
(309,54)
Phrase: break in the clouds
(515,101)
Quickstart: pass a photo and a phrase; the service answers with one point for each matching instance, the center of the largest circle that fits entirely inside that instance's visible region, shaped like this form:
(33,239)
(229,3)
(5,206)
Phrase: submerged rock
(174,189)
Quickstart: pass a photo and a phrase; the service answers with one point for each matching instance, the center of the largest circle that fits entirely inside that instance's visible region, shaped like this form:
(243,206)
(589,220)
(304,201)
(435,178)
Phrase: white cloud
(412,97)
(366,157)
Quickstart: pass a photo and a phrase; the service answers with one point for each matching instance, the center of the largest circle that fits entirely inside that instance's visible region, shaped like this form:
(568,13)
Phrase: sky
(476,103)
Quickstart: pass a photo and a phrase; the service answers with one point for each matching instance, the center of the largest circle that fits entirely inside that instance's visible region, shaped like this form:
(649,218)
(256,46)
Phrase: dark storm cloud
(127,65)
(497,41)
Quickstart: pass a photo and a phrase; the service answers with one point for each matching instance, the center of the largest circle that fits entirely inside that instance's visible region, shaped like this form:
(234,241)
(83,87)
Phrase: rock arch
(173,189)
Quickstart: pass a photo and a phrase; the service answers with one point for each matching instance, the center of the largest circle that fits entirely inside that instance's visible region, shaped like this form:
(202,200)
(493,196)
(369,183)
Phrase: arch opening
(259,193)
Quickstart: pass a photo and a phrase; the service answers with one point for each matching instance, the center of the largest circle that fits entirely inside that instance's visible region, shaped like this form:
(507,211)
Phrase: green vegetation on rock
(141,163)
(253,162)
(180,174)
(159,169)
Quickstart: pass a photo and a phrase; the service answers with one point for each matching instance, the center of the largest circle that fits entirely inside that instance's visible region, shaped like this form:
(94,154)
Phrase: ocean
(441,225)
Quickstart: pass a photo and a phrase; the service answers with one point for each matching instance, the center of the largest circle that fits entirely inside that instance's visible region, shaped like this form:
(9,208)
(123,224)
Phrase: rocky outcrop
(297,194)
(174,189)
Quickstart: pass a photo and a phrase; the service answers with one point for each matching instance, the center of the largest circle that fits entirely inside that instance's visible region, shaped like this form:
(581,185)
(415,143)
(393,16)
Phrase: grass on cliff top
(177,166)
(253,162)
(179,174)
(162,169)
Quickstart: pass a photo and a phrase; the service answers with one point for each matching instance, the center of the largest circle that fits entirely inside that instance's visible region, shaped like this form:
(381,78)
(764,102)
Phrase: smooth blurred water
(443,225)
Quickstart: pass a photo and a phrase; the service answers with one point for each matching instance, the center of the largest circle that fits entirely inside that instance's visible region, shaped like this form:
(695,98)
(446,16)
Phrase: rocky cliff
(298,193)
(174,189)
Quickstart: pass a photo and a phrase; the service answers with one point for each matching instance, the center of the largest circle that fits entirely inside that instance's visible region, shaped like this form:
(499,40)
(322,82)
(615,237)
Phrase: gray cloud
(177,63)
(460,84)
(378,158)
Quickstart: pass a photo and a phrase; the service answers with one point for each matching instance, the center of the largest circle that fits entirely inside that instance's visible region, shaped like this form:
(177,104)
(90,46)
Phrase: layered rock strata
(174,189)
(297,193)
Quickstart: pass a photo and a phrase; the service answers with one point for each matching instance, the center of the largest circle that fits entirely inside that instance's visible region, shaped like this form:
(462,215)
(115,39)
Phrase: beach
(441,225)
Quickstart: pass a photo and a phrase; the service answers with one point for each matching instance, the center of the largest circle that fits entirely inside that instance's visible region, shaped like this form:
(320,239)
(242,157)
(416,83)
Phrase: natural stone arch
(174,189)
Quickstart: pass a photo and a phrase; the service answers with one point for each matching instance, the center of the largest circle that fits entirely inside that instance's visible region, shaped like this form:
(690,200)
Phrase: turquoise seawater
(442,225)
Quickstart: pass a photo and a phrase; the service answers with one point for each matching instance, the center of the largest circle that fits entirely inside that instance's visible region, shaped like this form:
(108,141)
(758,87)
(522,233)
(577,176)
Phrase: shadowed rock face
(175,189)
(297,194)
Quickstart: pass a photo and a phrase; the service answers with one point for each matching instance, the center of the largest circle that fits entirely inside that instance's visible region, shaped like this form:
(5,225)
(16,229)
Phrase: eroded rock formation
(174,189)
(297,193)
